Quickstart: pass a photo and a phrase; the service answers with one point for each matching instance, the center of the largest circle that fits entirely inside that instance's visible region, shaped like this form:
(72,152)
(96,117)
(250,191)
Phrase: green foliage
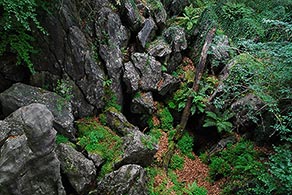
(239,165)
(191,16)
(110,99)
(177,162)
(64,89)
(18,19)
(278,179)
(166,119)
(219,120)
(185,144)
(149,141)
(61,139)
(179,100)
(194,189)
(95,138)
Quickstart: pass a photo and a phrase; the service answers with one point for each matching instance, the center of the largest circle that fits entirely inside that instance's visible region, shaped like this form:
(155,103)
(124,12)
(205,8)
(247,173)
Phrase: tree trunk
(187,110)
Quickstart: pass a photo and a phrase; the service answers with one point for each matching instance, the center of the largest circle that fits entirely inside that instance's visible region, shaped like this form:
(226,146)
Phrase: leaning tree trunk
(187,110)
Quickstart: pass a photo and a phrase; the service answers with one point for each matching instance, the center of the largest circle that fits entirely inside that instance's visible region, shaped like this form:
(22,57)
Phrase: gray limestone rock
(129,179)
(147,32)
(159,48)
(149,69)
(176,37)
(79,170)
(138,149)
(134,11)
(97,159)
(22,95)
(28,162)
(131,77)
(143,103)
(168,84)
(118,122)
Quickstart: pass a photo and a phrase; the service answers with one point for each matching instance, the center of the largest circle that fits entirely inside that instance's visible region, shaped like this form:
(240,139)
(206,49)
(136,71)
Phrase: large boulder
(113,37)
(28,162)
(131,77)
(147,33)
(168,84)
(159,48)
(150,70)
(79,170)
(129,179)
(138,149)
(119,123)
(176,37)
(143,103)
(20,95)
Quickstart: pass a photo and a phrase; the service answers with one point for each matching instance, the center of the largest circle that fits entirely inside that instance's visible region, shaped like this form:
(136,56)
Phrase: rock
(10,72)
(173,62)
(21,95)
(149,69)
(67,50)
(134,11)
(241,107)
(79,170)
(97,159)
(138,149)
(147,32)
(222,144)
(176,37)
(129,179)
(28,162)
(157,12)
(219,53)
(159,48)
(175,7)
(114,37)
(118,122)
(143,103)
(168,84)
(131,77)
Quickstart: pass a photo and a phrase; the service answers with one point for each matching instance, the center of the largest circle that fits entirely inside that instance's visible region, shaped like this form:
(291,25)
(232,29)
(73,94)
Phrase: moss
(99,139)
(166,119)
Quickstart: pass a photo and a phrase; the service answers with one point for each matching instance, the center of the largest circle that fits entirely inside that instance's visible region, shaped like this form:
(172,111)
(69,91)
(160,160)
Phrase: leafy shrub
(17,20)
(177,162)
(219,120)
(239,165)
(185,144)
(194,189)
(278,178)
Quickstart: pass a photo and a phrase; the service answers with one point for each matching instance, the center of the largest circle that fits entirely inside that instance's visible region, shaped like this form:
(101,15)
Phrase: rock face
(129,179)
(149,69)
(147,32)
(20,95)
(68,51)
(79,170)
(138,149)
(28,162)
(143,104)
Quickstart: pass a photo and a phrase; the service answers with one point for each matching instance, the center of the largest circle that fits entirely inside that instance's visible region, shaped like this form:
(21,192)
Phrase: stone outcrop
(20,95)
(28,162)
(143,103)
(79,170)
(129,179)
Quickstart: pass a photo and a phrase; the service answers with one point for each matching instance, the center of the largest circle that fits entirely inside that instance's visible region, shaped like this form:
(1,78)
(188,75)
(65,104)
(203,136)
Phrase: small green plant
(166,119)
(219,120)
(191,16)
(61,139)
(64,89)
(149,141)
(185,144)
(110,99)
(194,189)
(177,162)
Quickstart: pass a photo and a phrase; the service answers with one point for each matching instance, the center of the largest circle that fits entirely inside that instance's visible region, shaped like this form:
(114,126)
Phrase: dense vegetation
(258,70)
